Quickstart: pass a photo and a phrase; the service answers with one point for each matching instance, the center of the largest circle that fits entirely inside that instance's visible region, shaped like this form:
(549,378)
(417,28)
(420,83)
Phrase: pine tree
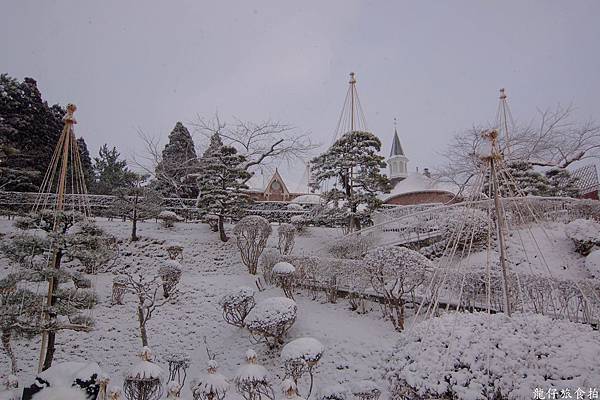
(137,203)
(179,163)
(518,178)
(33,250)
(31,129)
(220,182)
(86,163)
(562,183)
(354,165)
(111,173)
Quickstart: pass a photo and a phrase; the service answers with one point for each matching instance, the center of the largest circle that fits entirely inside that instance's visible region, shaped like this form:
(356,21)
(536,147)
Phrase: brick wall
(421,198)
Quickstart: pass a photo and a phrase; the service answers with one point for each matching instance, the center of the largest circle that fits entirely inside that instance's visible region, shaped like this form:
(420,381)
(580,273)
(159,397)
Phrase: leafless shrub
(396,272)
(170,273)
(251,235)
(287,233)
(237,305)
(252,380)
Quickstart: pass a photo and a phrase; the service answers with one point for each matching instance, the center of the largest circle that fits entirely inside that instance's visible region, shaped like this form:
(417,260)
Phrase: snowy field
(356,345)
(353,343)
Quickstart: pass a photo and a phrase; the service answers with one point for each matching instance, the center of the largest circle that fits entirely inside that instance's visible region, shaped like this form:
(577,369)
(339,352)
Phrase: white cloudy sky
(434,65)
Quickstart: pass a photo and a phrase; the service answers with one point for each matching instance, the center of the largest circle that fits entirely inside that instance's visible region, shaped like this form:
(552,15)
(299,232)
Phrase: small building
(275,189)
(413,188)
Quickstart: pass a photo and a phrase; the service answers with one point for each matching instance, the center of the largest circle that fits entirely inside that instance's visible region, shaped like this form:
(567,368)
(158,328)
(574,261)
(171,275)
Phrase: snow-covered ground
(354,344)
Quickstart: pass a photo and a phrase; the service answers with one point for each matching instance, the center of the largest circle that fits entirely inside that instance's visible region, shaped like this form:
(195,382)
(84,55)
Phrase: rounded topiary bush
(585,234)
(270,320)
(481,356)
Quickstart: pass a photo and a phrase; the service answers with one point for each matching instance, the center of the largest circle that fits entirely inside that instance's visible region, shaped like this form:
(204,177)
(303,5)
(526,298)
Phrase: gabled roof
(277,177)
(396,146)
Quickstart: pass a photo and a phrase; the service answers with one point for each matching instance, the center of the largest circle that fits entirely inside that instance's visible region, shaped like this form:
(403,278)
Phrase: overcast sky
(435,66)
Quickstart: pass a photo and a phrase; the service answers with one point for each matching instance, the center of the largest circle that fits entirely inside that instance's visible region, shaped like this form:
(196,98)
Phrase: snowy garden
(191,269)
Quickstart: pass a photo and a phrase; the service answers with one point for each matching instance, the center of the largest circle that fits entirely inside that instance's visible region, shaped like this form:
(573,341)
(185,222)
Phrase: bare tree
(260,142)
(146,291)
(554,139)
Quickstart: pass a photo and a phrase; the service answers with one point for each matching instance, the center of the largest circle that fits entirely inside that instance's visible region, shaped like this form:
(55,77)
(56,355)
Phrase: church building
(414,187)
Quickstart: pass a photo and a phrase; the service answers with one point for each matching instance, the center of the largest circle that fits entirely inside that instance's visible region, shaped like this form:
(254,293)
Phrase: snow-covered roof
(417,182)
(260,181)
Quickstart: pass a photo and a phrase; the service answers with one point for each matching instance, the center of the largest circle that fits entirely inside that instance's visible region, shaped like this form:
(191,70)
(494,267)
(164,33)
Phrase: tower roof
(396,146)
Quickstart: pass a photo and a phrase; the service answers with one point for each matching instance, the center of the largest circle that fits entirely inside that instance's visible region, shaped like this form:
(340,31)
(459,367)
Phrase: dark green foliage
(518,178)
(220,181)
(86,163)
(562,183)
(176,171)
(29,131)
(354,166)
(111,173)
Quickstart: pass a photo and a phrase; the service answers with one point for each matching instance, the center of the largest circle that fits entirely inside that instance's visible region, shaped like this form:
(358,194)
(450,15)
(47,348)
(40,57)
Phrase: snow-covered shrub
(268,259)
(301,356)
(283,274)
(213,222)
(119,288)
(300,222)
(80,281)
(366,390)
(483,356)
(178,365)
(294,207)
(84,377)
(351,247)
(168,218)
(286,233)
(251,235)
(334,392)
(396,272)
(592,263)
(175,250)
(270,320)
(585,234)
(61,393)
(237,305)
(170,273)
(173,390)
(290,390)
(144,379)
(252,380)
(210,386)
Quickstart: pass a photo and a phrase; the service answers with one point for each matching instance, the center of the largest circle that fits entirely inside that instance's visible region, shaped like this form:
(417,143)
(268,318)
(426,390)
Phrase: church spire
(398,160)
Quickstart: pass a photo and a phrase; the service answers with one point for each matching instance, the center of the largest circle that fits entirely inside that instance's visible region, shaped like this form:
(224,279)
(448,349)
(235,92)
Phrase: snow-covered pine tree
(519,178)
(354,164)
(137,203)
(21,305)
(77,242)
(562,183)
(175,172)
(86,163)
(220,182)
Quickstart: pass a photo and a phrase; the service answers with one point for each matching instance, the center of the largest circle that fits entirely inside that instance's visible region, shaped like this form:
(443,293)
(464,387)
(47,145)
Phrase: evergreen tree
(179,164)
(562,183)
(220,182)
(39,251)
(111,173)
(518,178)
(353,163)
(31,129)
(86,163)
(137,203)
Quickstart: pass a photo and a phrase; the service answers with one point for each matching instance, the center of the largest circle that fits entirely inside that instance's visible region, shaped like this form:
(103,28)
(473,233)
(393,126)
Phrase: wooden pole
(493,157)
(48,336)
